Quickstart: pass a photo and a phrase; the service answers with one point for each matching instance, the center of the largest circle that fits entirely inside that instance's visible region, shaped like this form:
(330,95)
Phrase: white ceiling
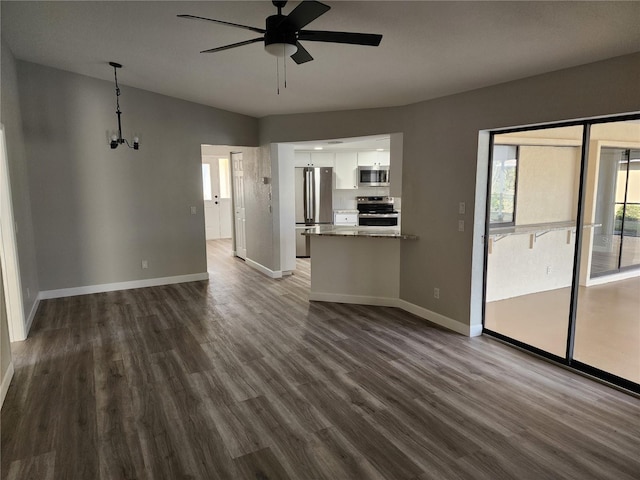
(429,49)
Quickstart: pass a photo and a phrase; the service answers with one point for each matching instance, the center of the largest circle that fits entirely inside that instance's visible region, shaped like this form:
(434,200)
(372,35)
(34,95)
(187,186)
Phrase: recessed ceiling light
(317,148)
(379,149)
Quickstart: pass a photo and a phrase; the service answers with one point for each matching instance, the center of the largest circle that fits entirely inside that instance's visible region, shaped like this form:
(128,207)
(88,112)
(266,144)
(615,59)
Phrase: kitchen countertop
(345,231)
(345,210)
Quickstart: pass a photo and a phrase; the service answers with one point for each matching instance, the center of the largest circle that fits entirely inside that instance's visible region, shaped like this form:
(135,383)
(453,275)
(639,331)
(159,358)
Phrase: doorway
(216,190)
(558,278)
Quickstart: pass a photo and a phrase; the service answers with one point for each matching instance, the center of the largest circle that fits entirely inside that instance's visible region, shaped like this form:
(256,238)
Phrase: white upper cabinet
(384,158)
(346,170)
(302,159)
(367,159)
(313,159)
(322,159)
(373,159)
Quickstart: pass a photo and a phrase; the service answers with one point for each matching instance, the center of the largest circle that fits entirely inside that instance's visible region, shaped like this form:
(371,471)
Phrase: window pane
(206,181)
(630,255)
(225,180)
(503,183)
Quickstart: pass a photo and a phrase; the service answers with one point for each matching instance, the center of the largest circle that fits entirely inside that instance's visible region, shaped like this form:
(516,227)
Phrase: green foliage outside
(631,220)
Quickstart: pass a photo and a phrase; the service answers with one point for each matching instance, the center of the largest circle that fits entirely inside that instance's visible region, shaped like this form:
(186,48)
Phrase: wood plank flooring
(242,378)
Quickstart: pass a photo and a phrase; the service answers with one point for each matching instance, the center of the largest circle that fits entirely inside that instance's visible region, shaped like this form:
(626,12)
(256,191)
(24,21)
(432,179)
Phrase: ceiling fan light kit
(118,139)
(282,33)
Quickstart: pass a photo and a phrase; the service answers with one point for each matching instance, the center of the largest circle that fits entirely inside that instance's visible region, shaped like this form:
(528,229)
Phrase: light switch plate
(193,210)
(462,208)
(461,225)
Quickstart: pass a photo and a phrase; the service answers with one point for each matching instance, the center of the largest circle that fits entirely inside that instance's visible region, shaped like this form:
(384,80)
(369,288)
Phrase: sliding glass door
(607,321)
(531,251)
(562,264)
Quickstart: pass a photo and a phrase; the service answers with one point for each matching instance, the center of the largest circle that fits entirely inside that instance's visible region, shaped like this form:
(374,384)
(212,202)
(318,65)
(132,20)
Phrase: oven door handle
(379,215)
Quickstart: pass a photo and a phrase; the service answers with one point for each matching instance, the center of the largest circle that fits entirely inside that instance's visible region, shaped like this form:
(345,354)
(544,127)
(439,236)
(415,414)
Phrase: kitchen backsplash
(346,199)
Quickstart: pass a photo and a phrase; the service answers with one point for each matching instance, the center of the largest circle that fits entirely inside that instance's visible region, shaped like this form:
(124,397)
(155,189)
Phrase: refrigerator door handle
(308,198)
(314,213)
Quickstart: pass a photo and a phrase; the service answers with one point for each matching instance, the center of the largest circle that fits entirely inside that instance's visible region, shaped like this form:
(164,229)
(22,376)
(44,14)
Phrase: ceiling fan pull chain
(278,74)
(284,61)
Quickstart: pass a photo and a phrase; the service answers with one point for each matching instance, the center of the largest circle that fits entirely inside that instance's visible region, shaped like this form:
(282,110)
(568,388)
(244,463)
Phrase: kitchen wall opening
(335,179)
(562,256)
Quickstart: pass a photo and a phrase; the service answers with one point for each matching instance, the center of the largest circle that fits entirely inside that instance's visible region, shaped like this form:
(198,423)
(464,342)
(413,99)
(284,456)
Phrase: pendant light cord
(115,74)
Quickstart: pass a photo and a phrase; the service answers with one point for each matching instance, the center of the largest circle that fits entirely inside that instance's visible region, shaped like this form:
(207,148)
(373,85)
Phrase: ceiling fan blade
(305,13)
(233,45)
(370,39)
(301,56)
(246,27)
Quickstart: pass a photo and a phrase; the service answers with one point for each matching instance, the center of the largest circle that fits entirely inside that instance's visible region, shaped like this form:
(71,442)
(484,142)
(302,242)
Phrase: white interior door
(217,199)
(238,202)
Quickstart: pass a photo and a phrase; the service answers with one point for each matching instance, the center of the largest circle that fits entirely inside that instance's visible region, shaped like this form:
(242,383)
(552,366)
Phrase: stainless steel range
(376,211)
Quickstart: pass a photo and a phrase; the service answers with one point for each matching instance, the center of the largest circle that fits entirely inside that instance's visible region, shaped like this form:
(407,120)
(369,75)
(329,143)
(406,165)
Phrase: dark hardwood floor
(242,378)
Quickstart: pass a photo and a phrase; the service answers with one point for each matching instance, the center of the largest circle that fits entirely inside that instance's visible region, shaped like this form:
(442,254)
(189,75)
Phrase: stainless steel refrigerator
(314,203)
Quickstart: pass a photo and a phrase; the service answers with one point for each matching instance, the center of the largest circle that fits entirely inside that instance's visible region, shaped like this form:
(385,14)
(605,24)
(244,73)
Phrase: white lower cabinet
(345,219)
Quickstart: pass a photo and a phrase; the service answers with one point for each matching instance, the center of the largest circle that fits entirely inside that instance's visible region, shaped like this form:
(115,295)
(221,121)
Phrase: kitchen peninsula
(356,264)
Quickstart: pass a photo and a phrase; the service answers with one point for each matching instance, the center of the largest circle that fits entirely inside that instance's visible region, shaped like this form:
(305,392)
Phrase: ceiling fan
(283,33)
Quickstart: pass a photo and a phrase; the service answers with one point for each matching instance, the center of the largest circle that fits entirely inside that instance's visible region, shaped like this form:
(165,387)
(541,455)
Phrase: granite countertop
(344,231)
(345,210)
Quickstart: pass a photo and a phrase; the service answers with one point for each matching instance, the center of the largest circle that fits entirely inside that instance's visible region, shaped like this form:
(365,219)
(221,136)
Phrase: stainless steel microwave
(373,176)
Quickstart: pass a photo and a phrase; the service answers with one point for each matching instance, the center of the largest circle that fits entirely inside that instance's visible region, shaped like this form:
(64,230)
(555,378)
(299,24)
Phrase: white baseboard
(262,269)
(355,299)
(110,287)
(437,318)
(446,322)
(615,277)
(31,316)
(6,381)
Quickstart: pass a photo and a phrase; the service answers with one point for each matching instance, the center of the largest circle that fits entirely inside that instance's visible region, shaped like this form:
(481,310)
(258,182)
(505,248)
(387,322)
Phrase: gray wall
(98,212)
(11,118)
(441,162)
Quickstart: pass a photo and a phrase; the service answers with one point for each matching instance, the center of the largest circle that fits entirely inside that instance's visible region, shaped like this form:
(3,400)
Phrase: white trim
(356,299)
(262,269)
(110,287)
(32,315)
(438,319)
(6,381)
(475,330)
(9,251)
(615,277)
(433,317)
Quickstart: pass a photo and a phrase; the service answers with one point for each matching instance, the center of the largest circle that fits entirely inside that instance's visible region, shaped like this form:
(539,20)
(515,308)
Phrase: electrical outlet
(461,225)
(28,293)
(548,269)
(436,293)
(193,210)
(145,264)
(462,208)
